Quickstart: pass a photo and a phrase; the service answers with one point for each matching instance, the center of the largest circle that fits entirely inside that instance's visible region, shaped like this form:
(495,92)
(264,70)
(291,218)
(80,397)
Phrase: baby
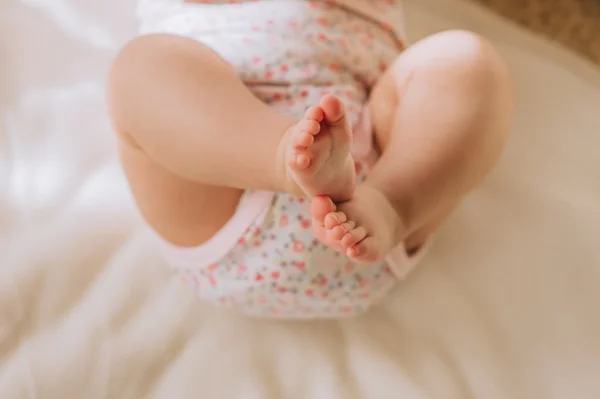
(293,157)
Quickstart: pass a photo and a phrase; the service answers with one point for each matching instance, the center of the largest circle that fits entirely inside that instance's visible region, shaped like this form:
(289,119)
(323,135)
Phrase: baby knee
(141,53)
(462,55)
(472,58)
(135,66)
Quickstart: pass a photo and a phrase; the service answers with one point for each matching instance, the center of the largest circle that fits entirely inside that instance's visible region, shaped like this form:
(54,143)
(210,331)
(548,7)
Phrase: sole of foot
(317,152)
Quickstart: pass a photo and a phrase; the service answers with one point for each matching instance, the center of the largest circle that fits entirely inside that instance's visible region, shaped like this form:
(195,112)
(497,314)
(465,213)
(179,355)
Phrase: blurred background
(573,23)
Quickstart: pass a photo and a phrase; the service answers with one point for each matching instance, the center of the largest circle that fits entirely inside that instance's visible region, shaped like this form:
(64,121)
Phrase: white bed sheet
(506,305)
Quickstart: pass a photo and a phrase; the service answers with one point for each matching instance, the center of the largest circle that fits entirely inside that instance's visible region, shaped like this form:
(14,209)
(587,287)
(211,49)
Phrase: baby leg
(441,116)
(192,137)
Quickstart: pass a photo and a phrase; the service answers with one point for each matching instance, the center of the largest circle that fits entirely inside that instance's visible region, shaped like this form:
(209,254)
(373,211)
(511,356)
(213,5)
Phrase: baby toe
(299,161)
(314,113)
(310,126)
(302,140)
(334,219)
(353,237)
(365,251)
(338,232)
(320,207)
(335,234)
(333,108)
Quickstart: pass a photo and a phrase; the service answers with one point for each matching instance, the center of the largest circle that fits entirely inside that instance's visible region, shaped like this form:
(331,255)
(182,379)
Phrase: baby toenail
(348,226)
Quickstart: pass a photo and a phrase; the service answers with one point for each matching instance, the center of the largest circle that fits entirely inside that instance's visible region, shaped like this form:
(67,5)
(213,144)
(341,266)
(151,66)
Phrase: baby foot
(318,156)
(365,228)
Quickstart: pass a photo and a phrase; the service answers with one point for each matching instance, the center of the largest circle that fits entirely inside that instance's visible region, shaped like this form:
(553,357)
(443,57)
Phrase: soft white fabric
(505,305)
